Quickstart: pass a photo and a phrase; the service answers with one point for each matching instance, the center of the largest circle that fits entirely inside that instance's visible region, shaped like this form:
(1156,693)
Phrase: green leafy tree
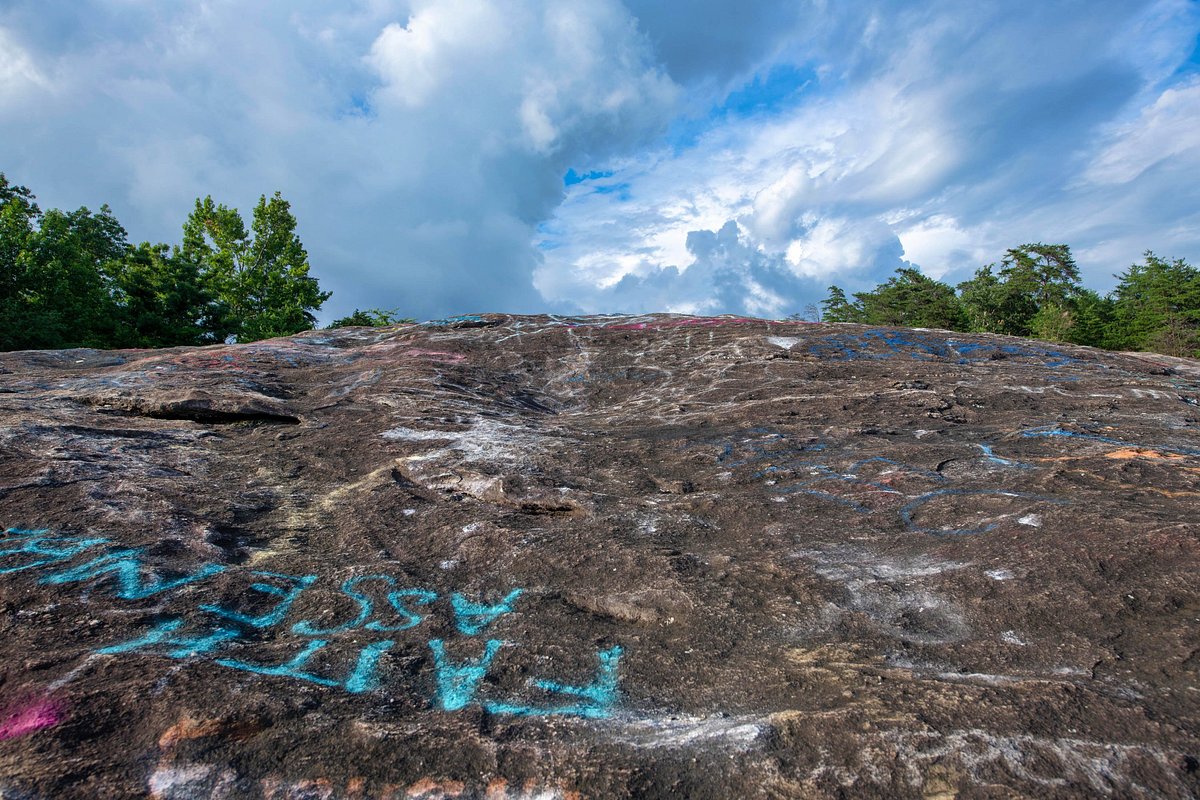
(1032,294)
(912,299)
(55,289)
(1094,321)
(371,318)
(163,300)
(1157,307)
(261,281)
(837,308)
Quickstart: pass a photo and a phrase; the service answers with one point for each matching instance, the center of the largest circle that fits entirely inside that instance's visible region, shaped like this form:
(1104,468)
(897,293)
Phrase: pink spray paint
(21,719)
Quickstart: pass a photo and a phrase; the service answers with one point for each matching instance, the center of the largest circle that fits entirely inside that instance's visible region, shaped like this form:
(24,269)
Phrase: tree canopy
(1036,291)
(72,279)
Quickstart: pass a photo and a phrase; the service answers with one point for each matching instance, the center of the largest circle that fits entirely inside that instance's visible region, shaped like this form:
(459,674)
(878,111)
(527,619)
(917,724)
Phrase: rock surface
(539,557)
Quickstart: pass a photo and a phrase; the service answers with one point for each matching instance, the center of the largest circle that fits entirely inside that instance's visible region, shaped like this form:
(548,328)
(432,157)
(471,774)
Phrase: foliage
(1157,307)
(72,279)
(1036,291)
(371,318)
(836,308)
(913,300)
(262,282)
(165,303)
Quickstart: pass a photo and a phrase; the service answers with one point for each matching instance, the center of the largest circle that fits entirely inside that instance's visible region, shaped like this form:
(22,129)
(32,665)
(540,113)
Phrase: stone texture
(540,557)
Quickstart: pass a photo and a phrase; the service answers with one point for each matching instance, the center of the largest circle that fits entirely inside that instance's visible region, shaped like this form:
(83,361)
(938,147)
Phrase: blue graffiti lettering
(163,635)
(470,618)
(39,543)
(276,614)
(127,567)
(397,599)
(596,697)
(289,669)
(457,683)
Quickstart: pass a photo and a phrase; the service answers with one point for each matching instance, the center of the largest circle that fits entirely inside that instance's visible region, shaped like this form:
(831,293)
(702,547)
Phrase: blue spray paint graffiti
(470,618)
(242,626)
(597,697)
(275,615)
(1051,431)
(42,543)
(456,683)
(881,344)
(127,568)
(790,468)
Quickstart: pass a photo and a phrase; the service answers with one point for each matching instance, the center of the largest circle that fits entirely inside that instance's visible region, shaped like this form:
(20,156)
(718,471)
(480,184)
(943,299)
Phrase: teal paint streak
(365,606)
(39,543)
(364,677)
(397,599)
(457,683)
(289,669)
(597,696)
(275,615)
(127,567)
(471,618)
(162,636)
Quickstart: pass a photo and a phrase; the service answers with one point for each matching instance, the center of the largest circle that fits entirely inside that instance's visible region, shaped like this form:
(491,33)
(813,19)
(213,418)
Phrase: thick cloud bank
(715,159)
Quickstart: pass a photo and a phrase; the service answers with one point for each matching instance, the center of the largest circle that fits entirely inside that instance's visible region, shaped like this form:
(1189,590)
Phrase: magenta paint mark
(20,720)
(436,355)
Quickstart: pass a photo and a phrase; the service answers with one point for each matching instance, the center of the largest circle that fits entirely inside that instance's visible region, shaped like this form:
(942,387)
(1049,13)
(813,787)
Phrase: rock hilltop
(600,557)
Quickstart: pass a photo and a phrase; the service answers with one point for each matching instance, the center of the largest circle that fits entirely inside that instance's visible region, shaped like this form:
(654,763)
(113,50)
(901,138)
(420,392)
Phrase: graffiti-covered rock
(557,557)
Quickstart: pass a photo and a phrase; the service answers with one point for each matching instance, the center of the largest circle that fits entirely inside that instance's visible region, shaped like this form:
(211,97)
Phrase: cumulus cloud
(740,162)
(420,143)
(937,136)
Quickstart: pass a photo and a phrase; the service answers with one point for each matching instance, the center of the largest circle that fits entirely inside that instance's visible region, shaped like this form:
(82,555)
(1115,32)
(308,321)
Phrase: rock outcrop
(544,557)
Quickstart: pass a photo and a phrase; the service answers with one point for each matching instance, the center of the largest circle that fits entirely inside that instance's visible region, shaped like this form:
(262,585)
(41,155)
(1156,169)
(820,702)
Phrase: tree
(262,282)
(912,299)
(54,284)
(1094,321)
(1157,307)
(836,308)
(163,300)
(371,318)
(1033,294)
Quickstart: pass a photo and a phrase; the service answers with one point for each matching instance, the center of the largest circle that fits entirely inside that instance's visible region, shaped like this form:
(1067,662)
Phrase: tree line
(1035,291)
(73,279)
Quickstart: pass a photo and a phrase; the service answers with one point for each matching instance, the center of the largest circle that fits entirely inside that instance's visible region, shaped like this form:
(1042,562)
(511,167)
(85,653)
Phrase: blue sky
(453,156)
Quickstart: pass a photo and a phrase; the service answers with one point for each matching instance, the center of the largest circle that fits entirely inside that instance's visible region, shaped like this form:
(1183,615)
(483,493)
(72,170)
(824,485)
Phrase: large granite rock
(538,557)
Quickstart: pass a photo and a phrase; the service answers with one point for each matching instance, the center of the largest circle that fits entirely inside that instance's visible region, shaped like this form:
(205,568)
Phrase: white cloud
(423,142)
(19,76)
(1166,131)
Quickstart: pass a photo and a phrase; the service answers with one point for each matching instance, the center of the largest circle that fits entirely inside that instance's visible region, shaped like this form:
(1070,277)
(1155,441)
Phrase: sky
(550,156)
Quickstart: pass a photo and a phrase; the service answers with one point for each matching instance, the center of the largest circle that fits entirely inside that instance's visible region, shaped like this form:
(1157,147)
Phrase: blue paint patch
(163,636)
(276,614)
(289,669)
(471,618)
(42,543)
(596,697)
(364,678)
(995,459)
(457,683)
(126,567)
(1052,431)
(399,601)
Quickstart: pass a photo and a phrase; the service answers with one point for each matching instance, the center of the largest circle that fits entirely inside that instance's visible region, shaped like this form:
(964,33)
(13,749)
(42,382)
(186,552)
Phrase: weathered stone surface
(517,557)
